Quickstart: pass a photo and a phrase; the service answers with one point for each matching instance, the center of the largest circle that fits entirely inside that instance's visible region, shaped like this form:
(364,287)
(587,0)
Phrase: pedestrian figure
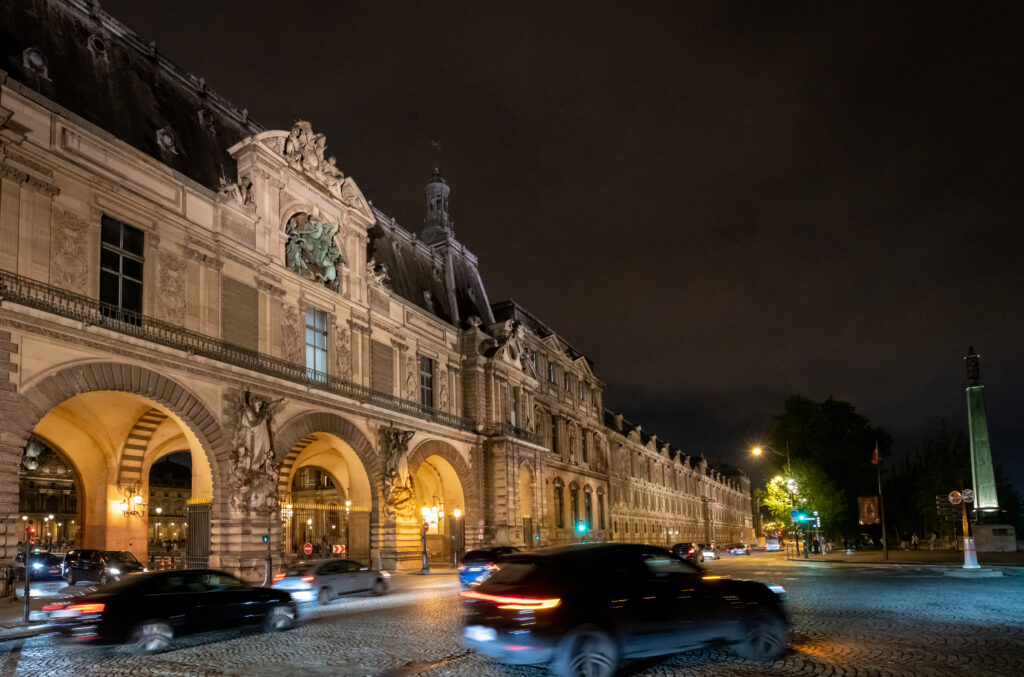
(931,541)
(914,540)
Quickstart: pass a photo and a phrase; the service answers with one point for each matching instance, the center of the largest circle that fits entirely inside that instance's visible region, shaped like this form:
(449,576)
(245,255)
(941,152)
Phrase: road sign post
(962,499)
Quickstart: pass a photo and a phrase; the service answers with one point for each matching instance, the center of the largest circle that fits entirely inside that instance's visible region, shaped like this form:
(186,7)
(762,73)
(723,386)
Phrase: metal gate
(197,539)
(323,526)
(528,532)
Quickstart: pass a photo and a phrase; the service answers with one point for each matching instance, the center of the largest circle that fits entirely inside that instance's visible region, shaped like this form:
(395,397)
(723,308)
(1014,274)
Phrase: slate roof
(510,310)
(102,72)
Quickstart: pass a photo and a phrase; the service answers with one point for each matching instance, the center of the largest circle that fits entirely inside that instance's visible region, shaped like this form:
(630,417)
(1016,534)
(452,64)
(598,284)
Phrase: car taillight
(93,608)
(462,567)
(690,551)
(491,566)
(278,577)
(307,579)
(509,602)
(54,606)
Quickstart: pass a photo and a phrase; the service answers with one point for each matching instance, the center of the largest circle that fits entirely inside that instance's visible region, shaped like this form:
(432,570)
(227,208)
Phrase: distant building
(175,277)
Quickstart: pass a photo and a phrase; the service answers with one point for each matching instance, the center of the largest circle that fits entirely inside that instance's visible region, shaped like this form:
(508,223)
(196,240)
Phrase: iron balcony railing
(27,292)
(509,430)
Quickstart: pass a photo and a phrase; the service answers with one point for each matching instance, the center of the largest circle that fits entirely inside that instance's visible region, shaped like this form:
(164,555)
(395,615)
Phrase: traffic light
(581,527)
(266,538)
(802,517)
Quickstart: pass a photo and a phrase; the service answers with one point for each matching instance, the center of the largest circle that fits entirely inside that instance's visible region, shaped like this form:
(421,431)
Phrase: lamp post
(455,537)
(28,550)
(425,568)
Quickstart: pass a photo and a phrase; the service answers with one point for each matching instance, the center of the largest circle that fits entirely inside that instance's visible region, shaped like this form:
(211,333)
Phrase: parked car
(324,580)
(478,564)
(42,566)
(738,549)
(710,550)
(102,566)
(147,611)
(691,552)
(583,608)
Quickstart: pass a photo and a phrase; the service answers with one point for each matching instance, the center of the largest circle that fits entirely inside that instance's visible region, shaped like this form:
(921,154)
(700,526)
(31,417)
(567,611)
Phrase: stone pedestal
(995,538)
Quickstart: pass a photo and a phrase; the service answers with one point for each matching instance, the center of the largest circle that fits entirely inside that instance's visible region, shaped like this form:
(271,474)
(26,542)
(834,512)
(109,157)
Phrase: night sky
(718,203)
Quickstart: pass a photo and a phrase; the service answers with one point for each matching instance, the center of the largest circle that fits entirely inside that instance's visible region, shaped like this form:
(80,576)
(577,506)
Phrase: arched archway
(88,410)
(442,484)
(345,510)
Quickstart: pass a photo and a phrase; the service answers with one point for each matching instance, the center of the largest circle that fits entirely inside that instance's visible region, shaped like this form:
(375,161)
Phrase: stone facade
(274,320)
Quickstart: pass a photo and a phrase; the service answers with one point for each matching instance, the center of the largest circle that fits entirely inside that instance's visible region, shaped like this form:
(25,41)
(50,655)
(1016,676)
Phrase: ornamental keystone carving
(68,240)
(254,469)
(311,250)
(304,151)
(172,287)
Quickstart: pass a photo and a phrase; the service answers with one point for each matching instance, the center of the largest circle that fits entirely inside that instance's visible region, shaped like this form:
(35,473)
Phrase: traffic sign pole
(970,554)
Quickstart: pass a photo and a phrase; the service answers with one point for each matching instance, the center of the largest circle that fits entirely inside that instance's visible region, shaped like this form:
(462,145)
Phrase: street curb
(11,634)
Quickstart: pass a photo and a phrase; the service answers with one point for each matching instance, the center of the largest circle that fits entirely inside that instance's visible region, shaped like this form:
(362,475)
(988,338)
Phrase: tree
(807,490)
(830,446)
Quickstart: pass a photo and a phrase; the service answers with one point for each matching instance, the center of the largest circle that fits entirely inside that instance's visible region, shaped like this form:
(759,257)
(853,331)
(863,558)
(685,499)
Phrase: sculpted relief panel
(291,334)
(172,287)
(311,250)
(69,241)
(344,352)
(254,470)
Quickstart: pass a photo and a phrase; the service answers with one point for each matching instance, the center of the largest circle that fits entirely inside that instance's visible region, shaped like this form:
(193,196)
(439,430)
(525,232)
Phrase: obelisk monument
(985,500)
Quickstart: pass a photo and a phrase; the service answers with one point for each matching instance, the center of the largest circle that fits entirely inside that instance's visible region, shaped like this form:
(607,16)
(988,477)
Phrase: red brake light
(307,579)
(462,567)
(690,551)
(54,606)
(278,577)
(506,602)
(490,566)
(94,608)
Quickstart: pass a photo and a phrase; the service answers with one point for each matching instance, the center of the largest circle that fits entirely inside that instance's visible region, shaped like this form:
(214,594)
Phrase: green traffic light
(581,527)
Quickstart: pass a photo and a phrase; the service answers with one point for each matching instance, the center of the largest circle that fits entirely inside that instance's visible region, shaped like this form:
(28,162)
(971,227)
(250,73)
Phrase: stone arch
(300,432)
(62,384)
(446,451)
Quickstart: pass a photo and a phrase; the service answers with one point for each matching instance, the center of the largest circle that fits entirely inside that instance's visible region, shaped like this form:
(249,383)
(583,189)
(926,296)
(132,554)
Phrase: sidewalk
(915,557)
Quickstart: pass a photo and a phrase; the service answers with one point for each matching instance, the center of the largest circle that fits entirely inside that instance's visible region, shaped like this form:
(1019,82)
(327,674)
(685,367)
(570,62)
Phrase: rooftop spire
(437,225)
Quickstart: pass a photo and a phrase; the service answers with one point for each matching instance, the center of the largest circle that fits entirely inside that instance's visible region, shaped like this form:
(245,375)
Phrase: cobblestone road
(848,620)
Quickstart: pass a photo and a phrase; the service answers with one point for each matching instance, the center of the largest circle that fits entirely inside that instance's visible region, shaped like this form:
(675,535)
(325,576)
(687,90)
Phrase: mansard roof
(416,272)
(510,310)
(107,75)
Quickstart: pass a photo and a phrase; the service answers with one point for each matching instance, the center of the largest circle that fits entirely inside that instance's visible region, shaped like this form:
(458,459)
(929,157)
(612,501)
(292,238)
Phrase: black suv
(585,607)
(102,566)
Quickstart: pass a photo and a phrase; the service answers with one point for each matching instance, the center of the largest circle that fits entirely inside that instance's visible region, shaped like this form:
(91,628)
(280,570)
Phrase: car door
(331,575)
(350,577)
(173,599)
(672,592)
(634,600)
(229,601)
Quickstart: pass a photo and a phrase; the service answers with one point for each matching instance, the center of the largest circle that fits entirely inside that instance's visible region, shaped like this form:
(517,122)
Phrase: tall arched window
(559,503)
(600,508)
(574,504)
(588,506)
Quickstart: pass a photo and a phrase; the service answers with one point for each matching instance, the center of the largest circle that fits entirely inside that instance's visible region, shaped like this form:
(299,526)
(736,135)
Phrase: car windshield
(479,556)
(120,557)
(297,569)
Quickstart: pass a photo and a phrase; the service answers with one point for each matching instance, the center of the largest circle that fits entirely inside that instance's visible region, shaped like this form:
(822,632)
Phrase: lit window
(551,372)
(316,344)
(566,380)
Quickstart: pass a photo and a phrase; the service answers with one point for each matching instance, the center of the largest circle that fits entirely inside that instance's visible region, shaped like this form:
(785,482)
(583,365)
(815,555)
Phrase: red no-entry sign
(955,497)
(308,548)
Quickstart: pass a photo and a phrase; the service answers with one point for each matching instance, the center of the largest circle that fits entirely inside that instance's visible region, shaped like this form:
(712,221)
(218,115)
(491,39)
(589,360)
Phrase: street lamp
(791,486)
(456,537)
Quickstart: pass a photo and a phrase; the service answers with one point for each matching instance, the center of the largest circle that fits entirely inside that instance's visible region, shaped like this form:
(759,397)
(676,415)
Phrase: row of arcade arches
(124,458)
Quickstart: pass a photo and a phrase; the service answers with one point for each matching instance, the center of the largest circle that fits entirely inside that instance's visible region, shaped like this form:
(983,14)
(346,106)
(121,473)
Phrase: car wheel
(586,652)
(279,617)
(764,636)
(380,587)
(70,578)
(324,596)
(151,637)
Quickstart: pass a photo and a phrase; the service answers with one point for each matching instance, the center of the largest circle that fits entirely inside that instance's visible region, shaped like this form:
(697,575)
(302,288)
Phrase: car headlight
(37,565)
(114,571)
(385,574)
(777,589)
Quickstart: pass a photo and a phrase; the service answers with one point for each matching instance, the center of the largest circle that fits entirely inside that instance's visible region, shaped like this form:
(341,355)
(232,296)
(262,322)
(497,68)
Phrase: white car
(772,545)
(710,552)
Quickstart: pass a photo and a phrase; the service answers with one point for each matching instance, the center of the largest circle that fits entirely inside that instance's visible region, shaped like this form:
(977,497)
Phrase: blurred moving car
(478,564)
(583,608)
(691,552)
(325,580)
(738,549)
(772,545)
(710,551)
(42,566)
(102,566)
(147,611)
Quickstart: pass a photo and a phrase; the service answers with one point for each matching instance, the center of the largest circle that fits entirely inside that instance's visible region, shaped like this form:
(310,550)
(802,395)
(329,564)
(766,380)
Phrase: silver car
(324,580)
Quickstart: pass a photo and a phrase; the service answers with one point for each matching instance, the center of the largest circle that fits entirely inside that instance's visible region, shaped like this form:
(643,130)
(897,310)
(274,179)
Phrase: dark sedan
(147,611)
(42,566)
(693,552)
(581,609)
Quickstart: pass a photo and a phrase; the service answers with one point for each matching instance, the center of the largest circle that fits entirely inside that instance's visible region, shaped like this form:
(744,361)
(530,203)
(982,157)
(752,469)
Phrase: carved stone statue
(33,450)
(240,191)
(344,353)
(311,250)
(973,366)
(254,470)
(376,273)
(304,151)
(398,494)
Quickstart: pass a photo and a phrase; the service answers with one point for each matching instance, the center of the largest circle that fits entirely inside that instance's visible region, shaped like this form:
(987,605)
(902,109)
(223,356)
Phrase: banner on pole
(868,510)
